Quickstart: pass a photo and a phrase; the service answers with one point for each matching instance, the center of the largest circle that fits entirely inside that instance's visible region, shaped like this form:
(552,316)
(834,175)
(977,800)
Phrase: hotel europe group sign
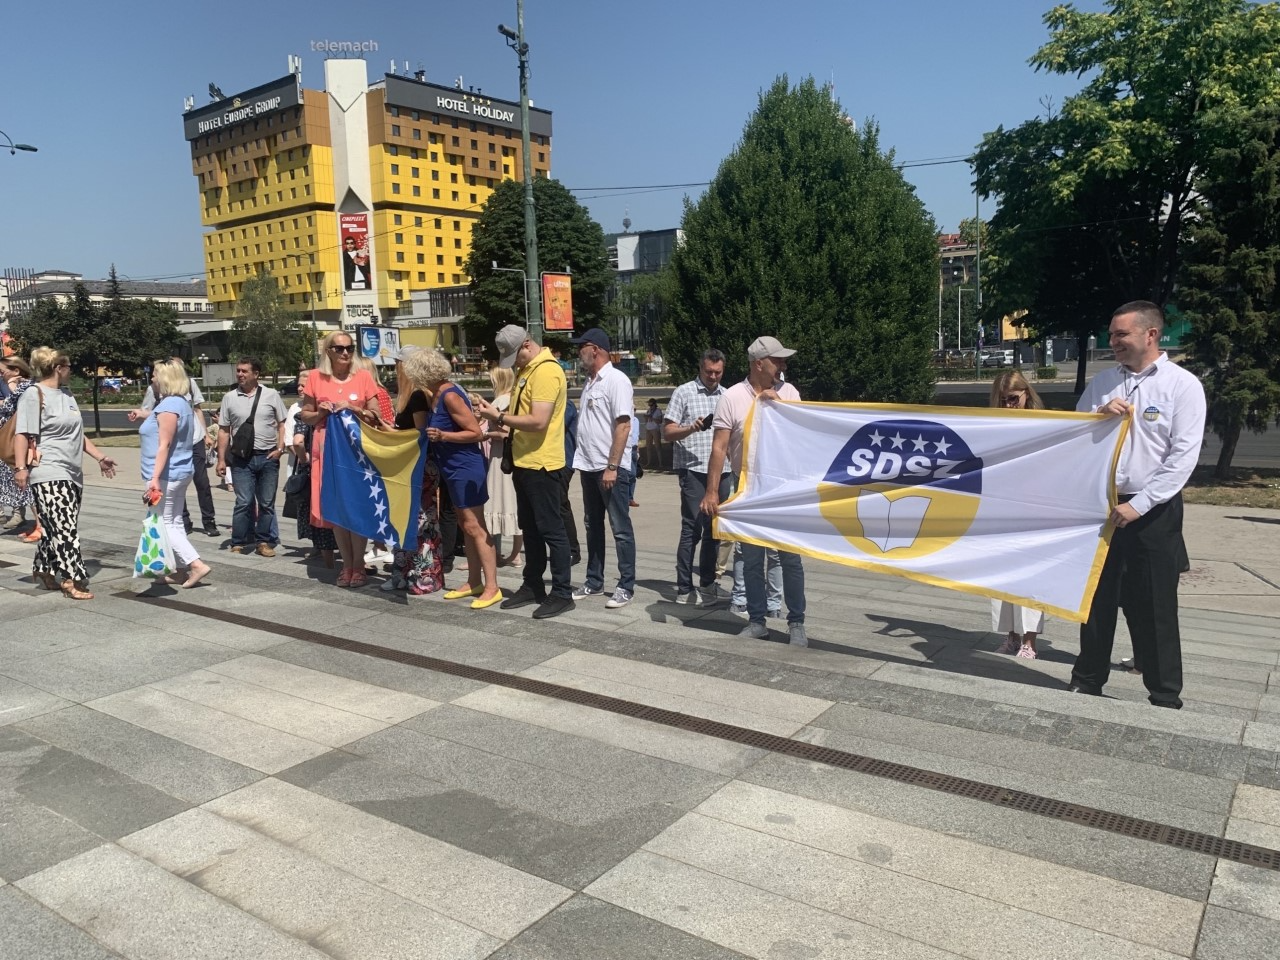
(280,94)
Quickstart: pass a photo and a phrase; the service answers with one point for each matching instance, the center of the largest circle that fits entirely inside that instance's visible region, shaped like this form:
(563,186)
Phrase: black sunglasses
(342,348)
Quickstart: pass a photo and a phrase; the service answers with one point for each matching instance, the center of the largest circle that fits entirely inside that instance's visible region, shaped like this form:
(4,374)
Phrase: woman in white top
(1010,391)
(500,511)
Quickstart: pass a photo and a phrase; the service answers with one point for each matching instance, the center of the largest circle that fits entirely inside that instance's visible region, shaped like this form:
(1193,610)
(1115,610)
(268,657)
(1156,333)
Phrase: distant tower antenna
(188,103)
(626,220)
(295,64)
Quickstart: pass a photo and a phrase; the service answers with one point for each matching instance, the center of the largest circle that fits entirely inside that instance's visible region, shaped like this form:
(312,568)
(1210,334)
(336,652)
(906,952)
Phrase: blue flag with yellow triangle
(372,481)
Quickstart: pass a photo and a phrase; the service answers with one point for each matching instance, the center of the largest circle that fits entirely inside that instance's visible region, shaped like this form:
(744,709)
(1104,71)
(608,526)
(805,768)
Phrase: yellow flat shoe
(481,604)
(464,592)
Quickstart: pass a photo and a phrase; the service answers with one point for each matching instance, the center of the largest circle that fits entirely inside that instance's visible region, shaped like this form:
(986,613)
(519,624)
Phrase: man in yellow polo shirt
(536,426)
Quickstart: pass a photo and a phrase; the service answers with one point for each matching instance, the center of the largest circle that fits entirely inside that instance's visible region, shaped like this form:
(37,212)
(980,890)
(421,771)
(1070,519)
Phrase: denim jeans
(255,482)
(695,532)
(596,502)
(753,563)
(772,578)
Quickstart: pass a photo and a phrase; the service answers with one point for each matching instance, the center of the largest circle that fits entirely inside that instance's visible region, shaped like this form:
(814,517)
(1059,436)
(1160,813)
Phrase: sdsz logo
(902,488)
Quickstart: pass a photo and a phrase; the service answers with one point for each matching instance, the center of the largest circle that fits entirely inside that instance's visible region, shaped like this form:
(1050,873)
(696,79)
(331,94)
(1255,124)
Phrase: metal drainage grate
(956,786)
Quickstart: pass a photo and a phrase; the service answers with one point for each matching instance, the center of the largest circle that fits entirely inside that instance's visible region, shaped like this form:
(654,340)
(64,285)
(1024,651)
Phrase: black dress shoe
(1166,704)
(1076,688)
(553,607)
(211,530)
(521,598)
(575,559)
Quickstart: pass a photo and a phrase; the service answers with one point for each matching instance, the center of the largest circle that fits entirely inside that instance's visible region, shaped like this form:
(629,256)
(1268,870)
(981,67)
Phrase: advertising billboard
(557,301)
(357,251)
(379,344)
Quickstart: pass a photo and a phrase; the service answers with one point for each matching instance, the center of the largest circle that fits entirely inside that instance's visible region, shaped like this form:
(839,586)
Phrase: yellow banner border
(1104,538)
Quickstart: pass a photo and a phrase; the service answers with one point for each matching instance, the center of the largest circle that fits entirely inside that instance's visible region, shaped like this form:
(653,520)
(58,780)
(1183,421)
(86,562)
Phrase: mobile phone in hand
(705,422)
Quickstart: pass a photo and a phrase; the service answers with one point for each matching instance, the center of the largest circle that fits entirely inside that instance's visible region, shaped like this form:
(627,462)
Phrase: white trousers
(175,497)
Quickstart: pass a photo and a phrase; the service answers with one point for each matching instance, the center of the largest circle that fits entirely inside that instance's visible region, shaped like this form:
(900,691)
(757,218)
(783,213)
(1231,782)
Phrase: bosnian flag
(1010,504)
(372,482)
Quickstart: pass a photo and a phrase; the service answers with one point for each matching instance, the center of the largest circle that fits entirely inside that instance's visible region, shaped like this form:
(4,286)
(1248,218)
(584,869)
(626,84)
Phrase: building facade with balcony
(355,197)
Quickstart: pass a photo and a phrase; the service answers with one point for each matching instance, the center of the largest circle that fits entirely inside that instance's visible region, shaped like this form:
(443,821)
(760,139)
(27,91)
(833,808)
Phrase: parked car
(997,358)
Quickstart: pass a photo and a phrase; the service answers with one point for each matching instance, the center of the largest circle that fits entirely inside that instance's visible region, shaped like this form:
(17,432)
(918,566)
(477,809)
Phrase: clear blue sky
(643,94)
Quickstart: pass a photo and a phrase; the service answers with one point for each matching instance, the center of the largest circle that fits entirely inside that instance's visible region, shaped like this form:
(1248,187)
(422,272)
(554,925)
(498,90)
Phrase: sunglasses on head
(342,347)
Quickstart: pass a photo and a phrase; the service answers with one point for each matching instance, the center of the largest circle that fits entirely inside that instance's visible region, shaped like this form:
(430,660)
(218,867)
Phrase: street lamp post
(15,147)
(533,294)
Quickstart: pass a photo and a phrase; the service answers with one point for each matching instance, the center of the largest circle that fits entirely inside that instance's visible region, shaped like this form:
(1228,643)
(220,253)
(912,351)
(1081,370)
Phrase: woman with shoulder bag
(49,418)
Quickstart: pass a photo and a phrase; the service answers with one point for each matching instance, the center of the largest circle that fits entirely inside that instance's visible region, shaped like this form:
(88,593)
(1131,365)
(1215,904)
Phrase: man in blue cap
(605,410)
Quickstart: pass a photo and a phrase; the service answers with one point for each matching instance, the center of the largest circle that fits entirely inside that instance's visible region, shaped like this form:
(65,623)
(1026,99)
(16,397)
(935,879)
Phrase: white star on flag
(876,438)
(942,445)
(919,442)
(898,439)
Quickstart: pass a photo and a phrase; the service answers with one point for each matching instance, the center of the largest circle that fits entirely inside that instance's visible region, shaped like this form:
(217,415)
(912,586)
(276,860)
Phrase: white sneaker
(738,610)
(690,596)
(620,598)
(582,592)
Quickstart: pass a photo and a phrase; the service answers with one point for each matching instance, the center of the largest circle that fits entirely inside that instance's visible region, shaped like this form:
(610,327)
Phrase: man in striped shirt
(687,427)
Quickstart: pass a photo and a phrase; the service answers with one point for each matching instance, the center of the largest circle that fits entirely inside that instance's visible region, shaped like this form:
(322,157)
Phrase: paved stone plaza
(174,785)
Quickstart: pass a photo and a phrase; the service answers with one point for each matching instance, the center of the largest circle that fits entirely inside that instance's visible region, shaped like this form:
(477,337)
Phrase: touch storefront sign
(253,104)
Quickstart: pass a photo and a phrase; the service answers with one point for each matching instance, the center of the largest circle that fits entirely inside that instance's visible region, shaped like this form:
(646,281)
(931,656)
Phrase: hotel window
(395,169)
(453,178)
(394,111)
(395,219)
(493,164)
(395,129)
(417,221)
(473,198)
(457,261)
(421,258)
(422,277)
(415,115)
(435,194)
(440,278)
(413,172)
(439,259)
(417,240)
(475,145)
(475,161)
(453,122)
(395,188)
(393,150)
(435,174)
(456,142)
(431,138)
(457,278)
(413,153)
(186,308)
(399,238)
(439,240)
(493,148)
(457,224)
(399,256)
(454,196)
(417,134)
(435,157)
(399,293)
(457,243)
(417,190)
(542,157)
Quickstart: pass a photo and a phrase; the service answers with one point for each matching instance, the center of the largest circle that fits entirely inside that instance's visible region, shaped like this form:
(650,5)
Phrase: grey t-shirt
(235,411)
(59,432)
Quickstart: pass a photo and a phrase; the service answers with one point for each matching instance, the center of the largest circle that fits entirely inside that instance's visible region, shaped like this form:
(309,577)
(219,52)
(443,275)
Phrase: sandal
(344,578)
(72,592)
(358,579)
(32,537)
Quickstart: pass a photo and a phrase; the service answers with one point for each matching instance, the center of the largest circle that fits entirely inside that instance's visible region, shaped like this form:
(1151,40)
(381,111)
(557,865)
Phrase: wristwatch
(611,466)
(502,419)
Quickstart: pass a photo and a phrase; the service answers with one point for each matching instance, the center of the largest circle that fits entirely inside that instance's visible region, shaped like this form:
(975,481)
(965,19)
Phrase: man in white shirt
(605,411)
(764,381)
(1141,571)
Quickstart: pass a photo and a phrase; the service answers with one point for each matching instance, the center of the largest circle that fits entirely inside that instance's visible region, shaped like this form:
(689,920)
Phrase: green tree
(640,307)
(1230,286)
(70,327)
(567,237)
(266,328)
(1093,198)
(809,233)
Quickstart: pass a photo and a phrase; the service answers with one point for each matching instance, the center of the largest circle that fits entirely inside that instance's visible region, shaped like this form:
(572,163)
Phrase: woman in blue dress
(454,435)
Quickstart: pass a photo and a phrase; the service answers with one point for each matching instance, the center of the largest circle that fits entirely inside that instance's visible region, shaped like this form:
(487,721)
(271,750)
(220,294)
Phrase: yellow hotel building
(352,197)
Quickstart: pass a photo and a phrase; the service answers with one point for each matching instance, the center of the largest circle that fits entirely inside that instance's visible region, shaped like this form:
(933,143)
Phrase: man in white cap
(768,361)
(536,422)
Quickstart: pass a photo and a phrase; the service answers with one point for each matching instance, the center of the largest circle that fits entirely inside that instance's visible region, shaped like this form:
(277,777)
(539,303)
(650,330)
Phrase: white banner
(1010,504)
